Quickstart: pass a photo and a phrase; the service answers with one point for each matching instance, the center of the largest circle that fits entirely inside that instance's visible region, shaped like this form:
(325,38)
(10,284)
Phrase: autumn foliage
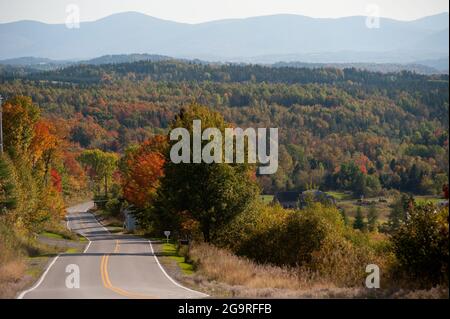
(41,166)
(44,142)
(142,169)
(56,180)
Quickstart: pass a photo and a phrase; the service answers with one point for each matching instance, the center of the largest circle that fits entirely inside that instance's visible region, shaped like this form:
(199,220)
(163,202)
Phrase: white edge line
(161,267)
(40,279)
(89,241)
(157,261)
(98,222)
(170,278)
(88,245)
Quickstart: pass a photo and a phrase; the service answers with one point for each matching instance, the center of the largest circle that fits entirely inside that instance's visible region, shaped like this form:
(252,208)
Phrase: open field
(345,201)
(340,195)
(428,199)
(266,199)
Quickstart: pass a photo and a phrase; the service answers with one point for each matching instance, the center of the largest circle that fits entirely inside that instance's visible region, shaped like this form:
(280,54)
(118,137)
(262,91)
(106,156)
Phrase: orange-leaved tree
(44,147)
(141,169)
(33,151)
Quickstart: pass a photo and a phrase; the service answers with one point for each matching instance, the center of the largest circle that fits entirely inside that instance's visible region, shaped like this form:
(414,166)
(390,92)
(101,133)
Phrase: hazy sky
(194,11)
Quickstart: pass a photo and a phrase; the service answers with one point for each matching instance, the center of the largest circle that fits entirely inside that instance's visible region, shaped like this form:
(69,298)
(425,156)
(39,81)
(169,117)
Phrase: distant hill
(181,71)
(43,64)
(27,61)
(373,67)
(26,65)
(31,64)
(273,37)
(438,64)
(125,58)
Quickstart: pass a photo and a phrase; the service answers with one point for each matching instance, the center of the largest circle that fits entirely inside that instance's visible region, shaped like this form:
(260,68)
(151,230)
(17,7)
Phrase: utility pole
(1,125)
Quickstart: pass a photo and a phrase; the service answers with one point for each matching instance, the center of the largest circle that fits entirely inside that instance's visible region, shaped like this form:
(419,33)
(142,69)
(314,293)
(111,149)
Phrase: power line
(1,125)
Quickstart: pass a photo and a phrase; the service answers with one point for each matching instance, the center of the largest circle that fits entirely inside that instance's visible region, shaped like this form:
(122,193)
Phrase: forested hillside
(103,130)
(340,129)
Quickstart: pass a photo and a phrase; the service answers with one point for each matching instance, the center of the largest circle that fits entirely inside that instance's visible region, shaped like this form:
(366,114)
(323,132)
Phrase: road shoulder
(172,267)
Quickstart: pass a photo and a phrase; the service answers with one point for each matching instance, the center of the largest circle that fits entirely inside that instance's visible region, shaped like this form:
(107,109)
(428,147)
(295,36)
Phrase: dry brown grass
(221,273)
(223,266)
(15,266)
(11,274)
(12,271)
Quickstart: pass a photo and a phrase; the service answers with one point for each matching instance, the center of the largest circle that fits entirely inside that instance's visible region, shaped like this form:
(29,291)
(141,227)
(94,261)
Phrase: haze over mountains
(266,39)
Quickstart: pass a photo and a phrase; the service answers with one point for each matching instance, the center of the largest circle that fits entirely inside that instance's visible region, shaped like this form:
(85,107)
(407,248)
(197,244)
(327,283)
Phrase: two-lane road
(111,266)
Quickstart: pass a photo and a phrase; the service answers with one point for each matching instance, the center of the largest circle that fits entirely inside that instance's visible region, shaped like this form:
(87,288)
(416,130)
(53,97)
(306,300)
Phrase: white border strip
(156,258)
(88,245)
(170,278)
(40,279)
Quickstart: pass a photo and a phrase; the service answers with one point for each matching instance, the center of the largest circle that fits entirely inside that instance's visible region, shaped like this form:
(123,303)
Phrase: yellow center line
(107,281)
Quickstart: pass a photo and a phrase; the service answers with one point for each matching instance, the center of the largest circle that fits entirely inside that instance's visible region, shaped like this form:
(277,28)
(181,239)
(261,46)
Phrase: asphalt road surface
(111,266)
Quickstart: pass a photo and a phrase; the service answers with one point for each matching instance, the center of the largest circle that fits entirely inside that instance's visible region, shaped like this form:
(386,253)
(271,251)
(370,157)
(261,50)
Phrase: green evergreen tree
(372,219)
(344,216)
(359,222)
(398,212)
(211,194)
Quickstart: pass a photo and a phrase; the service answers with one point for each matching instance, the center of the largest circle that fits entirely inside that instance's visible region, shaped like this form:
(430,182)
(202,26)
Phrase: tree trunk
(206,234)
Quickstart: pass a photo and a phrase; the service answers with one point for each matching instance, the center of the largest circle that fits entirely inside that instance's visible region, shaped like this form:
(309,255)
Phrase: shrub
(421,243)
(114,206)
(372,219)
(9,243)
(359,222)
(315,239)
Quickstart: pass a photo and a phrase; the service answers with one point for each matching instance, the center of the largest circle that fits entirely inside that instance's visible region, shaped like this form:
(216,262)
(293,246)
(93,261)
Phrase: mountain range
(265,39)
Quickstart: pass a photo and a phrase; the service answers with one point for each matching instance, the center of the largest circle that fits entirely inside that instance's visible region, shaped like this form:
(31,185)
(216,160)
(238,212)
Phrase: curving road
(112,266)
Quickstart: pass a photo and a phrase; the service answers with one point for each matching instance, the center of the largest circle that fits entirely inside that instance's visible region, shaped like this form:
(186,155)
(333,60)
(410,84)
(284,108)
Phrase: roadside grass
(59,230)
(59,236)
(221,273)
(23,257)
(82,238)
(170,250)
(51,235)
(73,251)
(12,271)
(35,265)
(21,263)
